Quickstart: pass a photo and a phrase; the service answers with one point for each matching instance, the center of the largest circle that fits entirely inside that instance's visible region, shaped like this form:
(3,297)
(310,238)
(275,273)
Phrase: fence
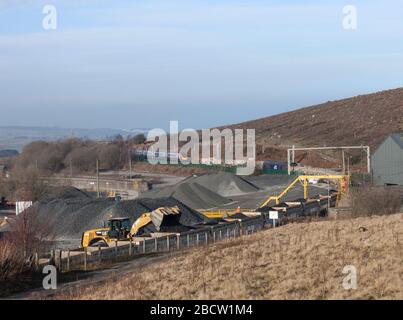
(66,260)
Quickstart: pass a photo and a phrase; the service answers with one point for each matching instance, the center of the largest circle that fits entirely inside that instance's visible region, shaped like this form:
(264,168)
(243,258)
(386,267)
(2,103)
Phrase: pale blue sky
(126,64)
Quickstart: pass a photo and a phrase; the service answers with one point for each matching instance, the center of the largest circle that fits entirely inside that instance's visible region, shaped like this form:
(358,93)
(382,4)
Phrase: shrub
(11,261)
(109,156)
(366,201)
(138,139)
(28,234)
(24,184)
(84,159)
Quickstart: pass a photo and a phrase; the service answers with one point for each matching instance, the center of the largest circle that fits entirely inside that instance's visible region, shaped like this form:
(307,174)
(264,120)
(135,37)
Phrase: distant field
(15,137)
(296,261)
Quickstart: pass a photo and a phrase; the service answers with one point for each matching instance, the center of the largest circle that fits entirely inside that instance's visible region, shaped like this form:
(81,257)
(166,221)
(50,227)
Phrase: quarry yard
(217,152)
(296,261)
(71,211)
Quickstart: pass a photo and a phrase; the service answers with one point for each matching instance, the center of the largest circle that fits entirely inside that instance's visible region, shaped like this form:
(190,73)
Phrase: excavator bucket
(165,216)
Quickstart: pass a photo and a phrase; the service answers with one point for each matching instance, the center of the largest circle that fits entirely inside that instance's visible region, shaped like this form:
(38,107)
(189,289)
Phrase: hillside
(361,120)
(295,261)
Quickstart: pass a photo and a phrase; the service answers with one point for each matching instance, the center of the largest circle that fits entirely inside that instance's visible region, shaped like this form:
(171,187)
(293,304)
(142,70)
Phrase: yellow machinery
(159,217)
(304,180)
(343,181)
(118,229)
(111,194)
(3,221)
(121,229)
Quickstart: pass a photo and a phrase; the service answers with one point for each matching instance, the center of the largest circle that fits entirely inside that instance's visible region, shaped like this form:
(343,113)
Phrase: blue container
(274,165)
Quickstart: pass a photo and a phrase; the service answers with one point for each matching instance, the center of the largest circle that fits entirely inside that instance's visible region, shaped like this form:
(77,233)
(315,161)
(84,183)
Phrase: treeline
(78,154)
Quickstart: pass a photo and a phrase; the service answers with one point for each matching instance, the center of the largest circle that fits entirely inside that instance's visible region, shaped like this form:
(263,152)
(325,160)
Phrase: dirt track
(94,278)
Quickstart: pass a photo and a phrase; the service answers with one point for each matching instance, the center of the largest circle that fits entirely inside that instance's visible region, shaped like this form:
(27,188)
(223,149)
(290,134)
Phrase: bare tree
(22,185)
(30,233)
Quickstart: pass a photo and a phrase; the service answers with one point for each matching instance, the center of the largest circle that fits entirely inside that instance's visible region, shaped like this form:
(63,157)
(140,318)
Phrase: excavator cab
(119,228)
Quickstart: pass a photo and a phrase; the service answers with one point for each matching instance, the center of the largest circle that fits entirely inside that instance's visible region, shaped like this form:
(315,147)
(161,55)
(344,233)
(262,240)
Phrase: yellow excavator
(121,229)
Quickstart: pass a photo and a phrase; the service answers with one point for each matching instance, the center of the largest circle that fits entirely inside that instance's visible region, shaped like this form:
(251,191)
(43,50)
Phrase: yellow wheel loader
(120,229)
(117,229)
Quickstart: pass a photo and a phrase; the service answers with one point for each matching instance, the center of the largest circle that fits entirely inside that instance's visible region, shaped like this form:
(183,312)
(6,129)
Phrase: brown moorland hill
(361,120)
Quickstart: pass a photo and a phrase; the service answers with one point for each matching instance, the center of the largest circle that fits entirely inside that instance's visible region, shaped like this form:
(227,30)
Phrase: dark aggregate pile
(193,195)
(70,216)
(207,191)
(51,193)
(225,184)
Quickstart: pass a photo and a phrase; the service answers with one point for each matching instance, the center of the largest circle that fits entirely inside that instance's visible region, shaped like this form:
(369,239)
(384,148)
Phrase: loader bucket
(165,216)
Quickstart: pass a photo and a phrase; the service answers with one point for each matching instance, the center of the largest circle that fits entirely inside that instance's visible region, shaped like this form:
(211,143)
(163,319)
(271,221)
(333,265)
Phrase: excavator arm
(159,217)
(140,223)
(343,181)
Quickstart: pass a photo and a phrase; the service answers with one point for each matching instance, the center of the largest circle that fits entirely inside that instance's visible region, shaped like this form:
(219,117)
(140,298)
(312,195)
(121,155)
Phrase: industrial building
(387,161)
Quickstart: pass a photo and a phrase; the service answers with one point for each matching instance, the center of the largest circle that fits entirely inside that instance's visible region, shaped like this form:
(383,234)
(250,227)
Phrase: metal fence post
(130,246)
(52,257)
(60,260)
(167,243)
(188,240)
(197,239)
(220,234)
(68,260)
(116,249)
(178,239)
(206,235)
(85,259)
(155,244)
(213,236)
(144,246)
(36,260)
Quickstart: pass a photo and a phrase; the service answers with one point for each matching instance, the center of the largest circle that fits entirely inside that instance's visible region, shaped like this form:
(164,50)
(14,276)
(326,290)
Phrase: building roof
(398,138)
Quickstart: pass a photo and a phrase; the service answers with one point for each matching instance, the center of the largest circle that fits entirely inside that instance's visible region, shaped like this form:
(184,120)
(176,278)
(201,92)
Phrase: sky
(140,63)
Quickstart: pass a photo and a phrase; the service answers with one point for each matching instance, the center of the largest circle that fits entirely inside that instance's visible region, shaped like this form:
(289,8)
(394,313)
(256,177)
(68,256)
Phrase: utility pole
(370,171)
(344,164)
(71,168)
(97,178)
(130,164)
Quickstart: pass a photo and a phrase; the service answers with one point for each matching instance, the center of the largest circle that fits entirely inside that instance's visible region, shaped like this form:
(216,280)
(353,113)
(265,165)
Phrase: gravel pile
(70,216)
(192,194)
(206,191)
(225,184)
(63,193)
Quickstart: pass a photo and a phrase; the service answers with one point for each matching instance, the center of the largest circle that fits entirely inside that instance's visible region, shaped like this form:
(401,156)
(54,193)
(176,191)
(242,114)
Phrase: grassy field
(296,261)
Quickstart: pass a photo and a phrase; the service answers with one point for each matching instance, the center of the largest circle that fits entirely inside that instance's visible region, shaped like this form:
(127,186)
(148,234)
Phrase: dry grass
(367,201)
(297,261)
(12,262)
